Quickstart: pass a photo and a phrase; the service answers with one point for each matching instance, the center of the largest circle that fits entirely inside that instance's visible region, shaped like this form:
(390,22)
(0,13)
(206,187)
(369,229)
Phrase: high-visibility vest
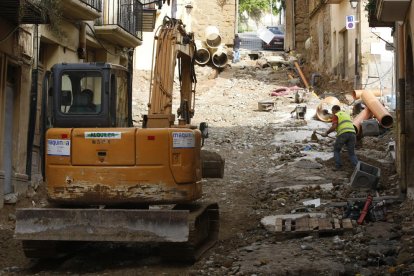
(344,123)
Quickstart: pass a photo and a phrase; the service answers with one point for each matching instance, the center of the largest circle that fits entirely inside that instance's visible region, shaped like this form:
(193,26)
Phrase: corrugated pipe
(212,36)
(365,114)
(379,111)
(219,58)
(203,55)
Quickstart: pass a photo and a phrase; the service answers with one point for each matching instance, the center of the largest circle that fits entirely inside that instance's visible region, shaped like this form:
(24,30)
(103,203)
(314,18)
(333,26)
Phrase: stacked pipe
(211,49)
(374,108)
(203,54)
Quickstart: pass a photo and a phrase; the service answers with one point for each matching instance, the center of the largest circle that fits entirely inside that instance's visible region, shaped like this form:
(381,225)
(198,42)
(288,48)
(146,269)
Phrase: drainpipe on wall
(293,24)
(400,73)
(236,25)
(33,104)
(82,41)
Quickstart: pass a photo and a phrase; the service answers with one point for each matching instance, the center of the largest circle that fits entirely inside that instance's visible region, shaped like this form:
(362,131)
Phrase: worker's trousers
(349,140)
(236,55)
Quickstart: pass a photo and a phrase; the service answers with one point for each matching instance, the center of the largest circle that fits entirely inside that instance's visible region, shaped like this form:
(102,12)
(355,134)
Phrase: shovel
(314,137)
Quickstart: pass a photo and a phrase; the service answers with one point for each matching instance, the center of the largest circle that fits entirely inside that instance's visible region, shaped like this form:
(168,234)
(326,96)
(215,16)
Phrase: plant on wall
(370,6)
(53,9)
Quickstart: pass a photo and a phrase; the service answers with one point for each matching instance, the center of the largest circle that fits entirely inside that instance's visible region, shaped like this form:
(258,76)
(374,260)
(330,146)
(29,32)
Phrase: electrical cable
(389,44)
(365,85)
(100,43)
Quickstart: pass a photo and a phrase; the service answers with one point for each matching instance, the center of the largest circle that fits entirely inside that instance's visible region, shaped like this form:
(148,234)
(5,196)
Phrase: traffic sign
(350,22)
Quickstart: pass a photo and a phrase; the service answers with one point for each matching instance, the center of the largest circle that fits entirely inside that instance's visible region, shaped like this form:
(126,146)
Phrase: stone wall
(301,25)
(319,54)
(220,13)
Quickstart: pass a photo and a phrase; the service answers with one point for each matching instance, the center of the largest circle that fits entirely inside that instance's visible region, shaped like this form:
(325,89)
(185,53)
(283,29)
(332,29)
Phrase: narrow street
(272,166)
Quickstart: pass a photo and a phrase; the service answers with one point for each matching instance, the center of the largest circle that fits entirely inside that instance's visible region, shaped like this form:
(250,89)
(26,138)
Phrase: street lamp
(354,3)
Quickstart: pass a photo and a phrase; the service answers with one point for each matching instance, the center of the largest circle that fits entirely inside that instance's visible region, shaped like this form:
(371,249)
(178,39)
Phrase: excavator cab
(89,95)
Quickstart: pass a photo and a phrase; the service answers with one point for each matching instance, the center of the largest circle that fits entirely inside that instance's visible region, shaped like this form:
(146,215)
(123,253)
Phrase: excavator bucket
(102,225)
(193,228)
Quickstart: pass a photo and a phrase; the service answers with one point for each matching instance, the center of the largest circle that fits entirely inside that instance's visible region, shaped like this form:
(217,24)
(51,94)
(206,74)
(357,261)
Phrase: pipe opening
(356,129)
(354,95)
(323,111)
(220,59)
(387,121)
(214,43)
(202,56)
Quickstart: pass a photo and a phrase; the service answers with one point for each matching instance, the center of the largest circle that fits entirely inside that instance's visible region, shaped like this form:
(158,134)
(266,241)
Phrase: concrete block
(365,176)
(370,127)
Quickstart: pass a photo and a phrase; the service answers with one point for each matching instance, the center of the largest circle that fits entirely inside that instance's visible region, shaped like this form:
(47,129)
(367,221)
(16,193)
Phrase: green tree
(253,8)
(256,8)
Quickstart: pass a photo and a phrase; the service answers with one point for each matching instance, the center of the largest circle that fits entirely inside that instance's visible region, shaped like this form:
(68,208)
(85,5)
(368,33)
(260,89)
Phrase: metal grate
(95,4)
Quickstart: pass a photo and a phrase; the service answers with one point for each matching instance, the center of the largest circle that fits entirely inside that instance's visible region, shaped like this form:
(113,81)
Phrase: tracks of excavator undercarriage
(204,229)
(203,222)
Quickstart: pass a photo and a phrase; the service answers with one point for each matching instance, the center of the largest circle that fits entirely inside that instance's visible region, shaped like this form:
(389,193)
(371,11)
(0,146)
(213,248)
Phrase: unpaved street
(267,154)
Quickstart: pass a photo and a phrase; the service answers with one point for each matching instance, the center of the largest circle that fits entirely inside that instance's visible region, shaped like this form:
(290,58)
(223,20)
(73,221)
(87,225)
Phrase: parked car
(278,41)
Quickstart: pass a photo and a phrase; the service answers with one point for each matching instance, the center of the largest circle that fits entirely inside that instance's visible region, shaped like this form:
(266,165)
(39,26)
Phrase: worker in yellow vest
(345,135)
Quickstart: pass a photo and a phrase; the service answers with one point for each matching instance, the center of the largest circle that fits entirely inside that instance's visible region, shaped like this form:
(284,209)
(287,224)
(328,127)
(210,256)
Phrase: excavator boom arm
(172,44)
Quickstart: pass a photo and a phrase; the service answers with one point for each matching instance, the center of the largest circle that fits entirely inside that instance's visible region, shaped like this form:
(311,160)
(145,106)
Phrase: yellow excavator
(110,181)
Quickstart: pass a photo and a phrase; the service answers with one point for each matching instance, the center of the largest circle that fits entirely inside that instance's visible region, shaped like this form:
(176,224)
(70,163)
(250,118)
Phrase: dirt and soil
(272,166)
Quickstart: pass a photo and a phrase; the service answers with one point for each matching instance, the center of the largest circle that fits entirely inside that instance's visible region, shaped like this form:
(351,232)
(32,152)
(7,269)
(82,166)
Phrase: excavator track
(204,230)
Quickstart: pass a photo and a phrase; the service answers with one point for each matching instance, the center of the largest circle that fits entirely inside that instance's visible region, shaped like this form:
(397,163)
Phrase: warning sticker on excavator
(183,140)
(58,147)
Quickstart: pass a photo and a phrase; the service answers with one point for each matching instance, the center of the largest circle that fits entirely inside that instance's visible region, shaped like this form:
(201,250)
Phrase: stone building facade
(16,59)
(86,31)
(198,14)
(297,25)
(400,16)
(318,31)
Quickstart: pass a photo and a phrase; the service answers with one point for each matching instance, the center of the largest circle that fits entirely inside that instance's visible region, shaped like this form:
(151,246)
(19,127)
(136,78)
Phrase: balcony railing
(121,22)
(95,4)
(122,13)
(81,9)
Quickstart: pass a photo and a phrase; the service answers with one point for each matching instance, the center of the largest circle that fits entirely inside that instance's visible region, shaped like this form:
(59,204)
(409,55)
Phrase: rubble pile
(294,169)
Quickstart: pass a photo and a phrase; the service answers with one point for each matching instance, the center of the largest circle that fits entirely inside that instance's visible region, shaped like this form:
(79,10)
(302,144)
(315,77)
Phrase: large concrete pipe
(356,94)
(324,109)
(379,111)
(212,36)
(365,114)
(202,55)
(219,58)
